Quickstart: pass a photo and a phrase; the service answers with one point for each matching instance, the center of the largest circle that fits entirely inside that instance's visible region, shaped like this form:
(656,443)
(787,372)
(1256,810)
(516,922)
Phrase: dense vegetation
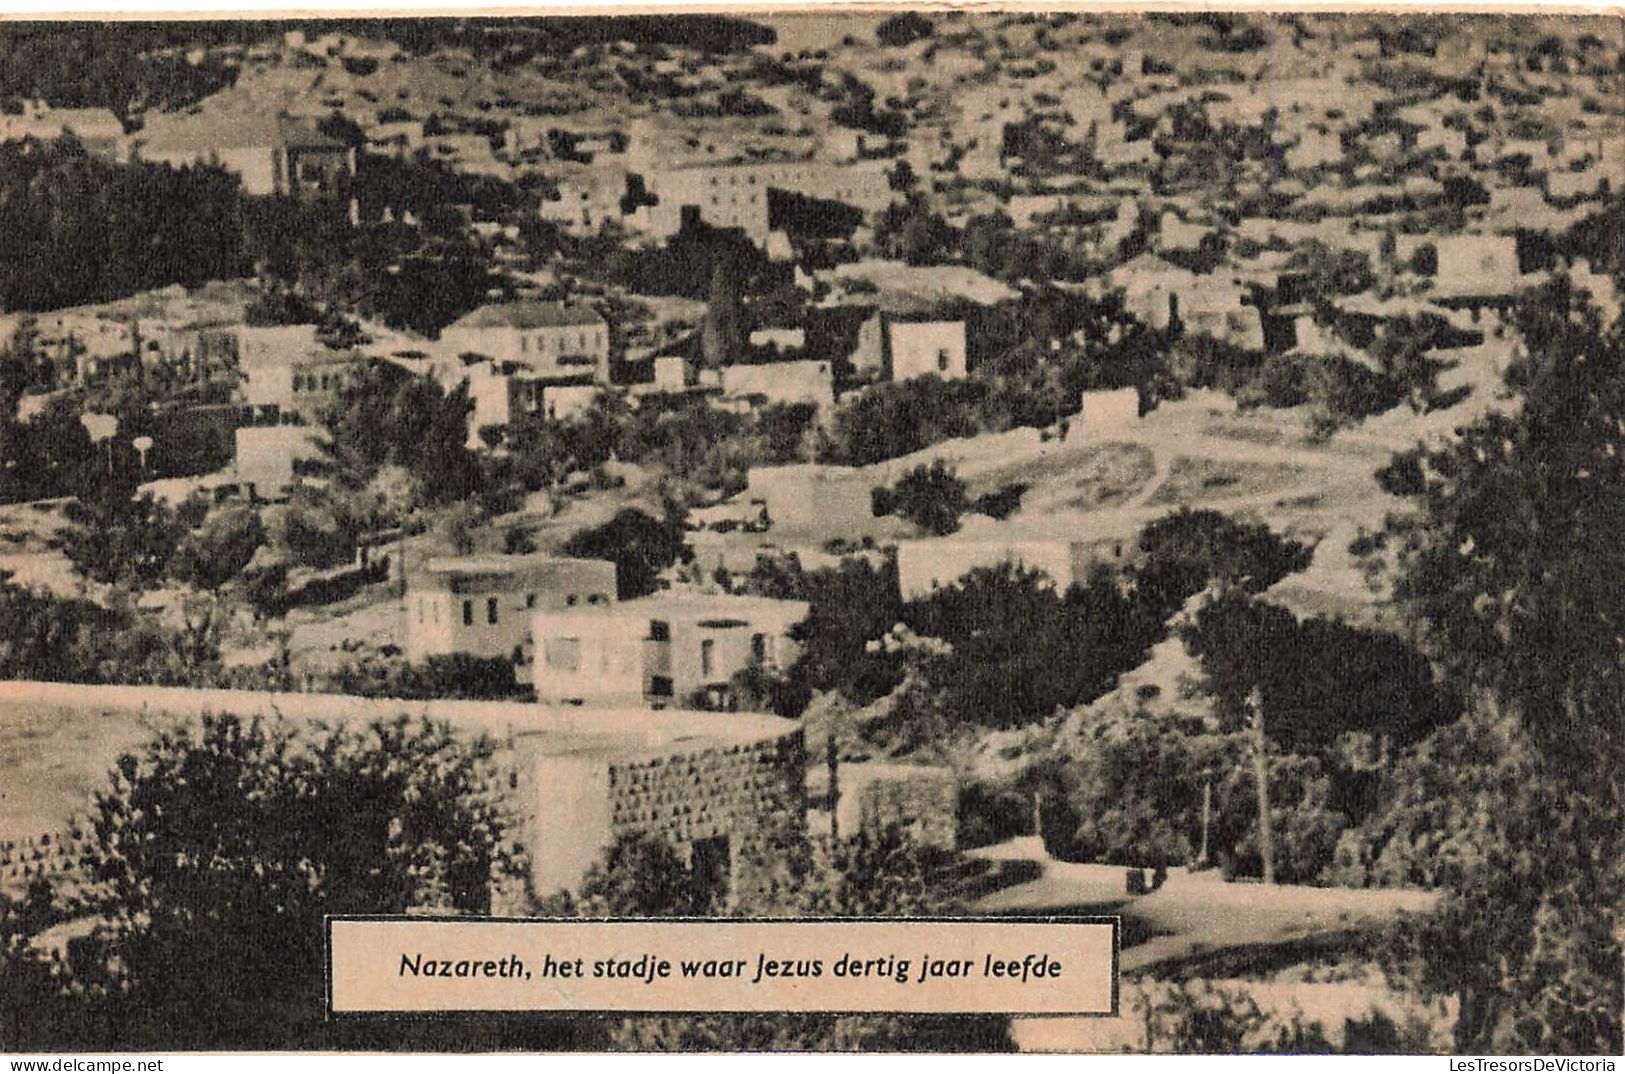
(82,230)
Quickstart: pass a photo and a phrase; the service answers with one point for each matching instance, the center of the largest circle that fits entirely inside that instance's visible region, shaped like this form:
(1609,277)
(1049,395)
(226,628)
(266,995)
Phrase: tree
(221,844)
(1425,261)
(642,876)
(904,29)
(849,606)
(33,1010)
(120,538)
(387,416)
(1500,567)
(209,557)
(1185,551)
(639,545)
(1315,680)
(1017,649)
(877,874)
(1131,788)
(931,497)
(722,336)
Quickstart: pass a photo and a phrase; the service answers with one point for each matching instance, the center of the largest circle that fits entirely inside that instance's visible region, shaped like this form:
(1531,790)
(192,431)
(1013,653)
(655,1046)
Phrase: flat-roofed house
(1477,270)
(661,650)
(925,566)
(482,605)
(803,381)
(917,348)
(272,459)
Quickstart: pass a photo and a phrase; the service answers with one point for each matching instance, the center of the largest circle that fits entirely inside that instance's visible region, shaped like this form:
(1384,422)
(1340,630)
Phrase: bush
(989,814)
(904,29)
(931,497)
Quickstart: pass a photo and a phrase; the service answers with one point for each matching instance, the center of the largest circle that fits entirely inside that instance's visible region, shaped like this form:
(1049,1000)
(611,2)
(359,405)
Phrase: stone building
(556,340)
(709,784)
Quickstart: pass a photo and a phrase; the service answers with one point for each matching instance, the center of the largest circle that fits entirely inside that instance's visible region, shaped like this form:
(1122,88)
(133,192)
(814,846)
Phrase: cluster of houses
(558,623)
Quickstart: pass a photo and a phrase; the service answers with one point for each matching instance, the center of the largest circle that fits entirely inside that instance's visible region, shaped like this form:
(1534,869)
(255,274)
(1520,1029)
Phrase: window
(942,360)
(758,648)
(420,609)
(491,610)
(660,686)
(434,610)
(530,600)
(708,657)
(570,601)
(562,653)
(468,613)
(659,630)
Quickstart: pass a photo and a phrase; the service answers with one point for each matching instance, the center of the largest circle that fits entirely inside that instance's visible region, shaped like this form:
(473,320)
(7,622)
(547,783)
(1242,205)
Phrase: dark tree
(639,545)
(219,847)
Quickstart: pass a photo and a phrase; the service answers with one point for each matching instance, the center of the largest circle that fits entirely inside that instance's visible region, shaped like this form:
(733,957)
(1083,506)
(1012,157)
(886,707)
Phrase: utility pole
(1266,833)
(833,758)
(1207,821)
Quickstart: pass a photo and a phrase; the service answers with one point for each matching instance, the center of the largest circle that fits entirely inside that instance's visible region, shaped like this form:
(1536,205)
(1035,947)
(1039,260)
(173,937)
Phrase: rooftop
(493,563)
(680,606)
(528,315)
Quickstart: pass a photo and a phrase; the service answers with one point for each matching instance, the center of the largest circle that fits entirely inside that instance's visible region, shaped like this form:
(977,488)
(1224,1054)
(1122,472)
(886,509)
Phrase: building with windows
(556,340)
(736,195)
(482,605)
(918,348)
(679,651)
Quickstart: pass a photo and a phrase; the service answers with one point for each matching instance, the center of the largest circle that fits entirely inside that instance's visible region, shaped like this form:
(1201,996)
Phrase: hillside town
(864,464)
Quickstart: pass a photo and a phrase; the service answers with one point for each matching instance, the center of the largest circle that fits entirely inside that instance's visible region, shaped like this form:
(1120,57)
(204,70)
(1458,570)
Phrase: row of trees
(1512,807)
(1012,647)
(84,230)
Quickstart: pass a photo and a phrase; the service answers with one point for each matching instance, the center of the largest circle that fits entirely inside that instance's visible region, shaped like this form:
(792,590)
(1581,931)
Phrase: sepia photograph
(892,530)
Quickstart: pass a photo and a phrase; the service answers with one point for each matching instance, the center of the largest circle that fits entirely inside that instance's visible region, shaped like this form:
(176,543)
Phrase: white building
(917,348)
(272,458)
(1104,413)
(925,566)
(270,154)
(555,339)
(806,381)
(664,650)
(482,605)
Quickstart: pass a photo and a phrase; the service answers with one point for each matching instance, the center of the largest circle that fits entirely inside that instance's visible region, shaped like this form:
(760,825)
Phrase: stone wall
(578,805)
